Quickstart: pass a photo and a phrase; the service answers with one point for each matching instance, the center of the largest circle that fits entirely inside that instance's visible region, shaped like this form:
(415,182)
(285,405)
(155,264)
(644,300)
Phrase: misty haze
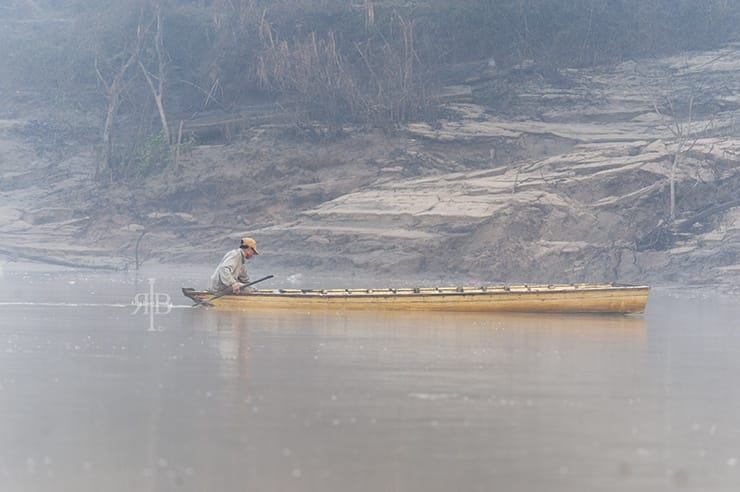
(399,145)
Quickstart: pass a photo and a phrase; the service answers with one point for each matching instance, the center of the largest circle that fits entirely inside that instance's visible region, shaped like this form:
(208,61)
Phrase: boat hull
(562,298)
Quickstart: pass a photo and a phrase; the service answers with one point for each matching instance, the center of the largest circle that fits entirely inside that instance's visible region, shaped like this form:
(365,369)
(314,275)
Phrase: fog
(367,144)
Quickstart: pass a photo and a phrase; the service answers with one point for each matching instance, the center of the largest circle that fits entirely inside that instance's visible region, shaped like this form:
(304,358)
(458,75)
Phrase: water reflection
(407,393)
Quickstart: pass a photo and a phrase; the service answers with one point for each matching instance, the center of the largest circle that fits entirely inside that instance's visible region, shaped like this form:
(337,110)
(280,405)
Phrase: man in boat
(232,271)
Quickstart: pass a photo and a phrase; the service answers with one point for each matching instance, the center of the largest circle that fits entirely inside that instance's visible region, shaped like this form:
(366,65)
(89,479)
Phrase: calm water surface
(97,396)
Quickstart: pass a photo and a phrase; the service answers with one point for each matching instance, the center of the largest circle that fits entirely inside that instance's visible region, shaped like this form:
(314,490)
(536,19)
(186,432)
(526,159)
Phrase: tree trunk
(114,91)
(158,90)
(672,176)
(672,183)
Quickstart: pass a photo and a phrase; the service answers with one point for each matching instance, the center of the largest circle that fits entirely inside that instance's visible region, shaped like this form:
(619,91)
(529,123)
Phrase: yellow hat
(248,242)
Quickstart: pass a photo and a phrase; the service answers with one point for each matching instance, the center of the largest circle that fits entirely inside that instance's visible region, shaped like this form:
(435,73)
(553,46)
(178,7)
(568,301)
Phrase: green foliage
(154,155)
(188,144)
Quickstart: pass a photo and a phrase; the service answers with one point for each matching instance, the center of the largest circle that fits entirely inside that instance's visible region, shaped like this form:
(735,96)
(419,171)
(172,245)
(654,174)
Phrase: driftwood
(223,125)
(39,258)
(686,224)
(665,235)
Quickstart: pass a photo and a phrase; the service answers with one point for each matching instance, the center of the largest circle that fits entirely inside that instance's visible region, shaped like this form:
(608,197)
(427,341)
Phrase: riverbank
(528,179)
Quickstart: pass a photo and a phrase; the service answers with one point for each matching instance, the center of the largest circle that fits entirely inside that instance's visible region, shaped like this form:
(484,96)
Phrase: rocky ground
(529,176)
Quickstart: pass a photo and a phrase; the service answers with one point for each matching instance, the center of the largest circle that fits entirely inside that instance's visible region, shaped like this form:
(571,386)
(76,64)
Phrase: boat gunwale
(376,293)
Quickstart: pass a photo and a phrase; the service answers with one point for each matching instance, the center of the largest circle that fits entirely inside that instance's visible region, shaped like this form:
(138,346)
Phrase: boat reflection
(384,321)
(238,332)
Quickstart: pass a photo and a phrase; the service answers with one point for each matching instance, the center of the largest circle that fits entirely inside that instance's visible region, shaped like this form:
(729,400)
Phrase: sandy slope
(527,179)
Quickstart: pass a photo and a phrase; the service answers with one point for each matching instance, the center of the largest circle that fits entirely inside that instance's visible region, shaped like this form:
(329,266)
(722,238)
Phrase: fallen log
(686,224)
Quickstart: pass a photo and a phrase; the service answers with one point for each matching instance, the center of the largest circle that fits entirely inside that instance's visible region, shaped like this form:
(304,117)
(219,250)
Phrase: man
(233,268)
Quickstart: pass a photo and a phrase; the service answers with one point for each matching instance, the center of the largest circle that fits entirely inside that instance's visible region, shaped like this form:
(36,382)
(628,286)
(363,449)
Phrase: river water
(99,394)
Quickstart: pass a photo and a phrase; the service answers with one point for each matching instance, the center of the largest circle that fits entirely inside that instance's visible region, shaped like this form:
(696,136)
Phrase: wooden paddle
(227,290)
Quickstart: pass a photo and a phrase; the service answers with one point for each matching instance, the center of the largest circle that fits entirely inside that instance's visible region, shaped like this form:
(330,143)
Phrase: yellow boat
(606,298)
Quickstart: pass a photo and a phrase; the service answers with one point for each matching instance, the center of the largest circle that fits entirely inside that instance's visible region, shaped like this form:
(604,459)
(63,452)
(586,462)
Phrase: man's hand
(238,289)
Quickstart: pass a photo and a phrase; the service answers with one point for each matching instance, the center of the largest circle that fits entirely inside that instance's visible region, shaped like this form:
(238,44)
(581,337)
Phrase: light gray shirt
(231,270)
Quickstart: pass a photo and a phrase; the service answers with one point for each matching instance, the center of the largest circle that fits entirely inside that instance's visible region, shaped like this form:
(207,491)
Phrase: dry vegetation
(147,68)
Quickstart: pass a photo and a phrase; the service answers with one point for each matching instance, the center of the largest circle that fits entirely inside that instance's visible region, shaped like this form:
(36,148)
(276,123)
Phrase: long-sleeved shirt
(231,270)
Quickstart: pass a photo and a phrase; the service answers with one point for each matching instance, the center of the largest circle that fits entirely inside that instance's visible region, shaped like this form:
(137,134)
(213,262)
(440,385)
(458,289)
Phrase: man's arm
(228,270)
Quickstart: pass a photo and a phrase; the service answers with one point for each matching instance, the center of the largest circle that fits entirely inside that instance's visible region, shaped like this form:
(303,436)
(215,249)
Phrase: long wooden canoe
(554,298)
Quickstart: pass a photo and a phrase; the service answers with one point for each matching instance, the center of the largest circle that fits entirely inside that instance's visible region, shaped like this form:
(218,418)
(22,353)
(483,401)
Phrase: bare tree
(685,138)
(144,49)
(157,82)
(114,88)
